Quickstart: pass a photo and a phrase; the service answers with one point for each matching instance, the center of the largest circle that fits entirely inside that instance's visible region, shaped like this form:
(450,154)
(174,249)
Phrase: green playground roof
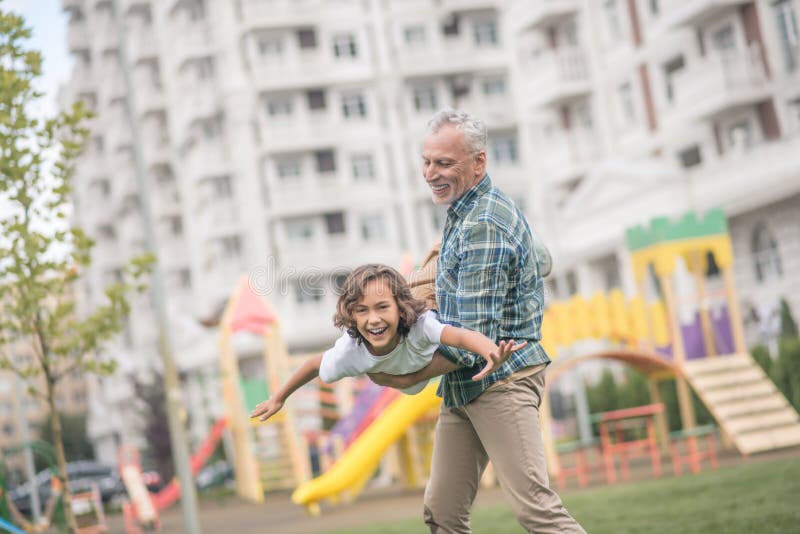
(689,226)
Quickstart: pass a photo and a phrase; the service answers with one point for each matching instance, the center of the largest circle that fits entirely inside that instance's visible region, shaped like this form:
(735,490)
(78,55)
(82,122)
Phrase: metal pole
(27,453)
(177,433)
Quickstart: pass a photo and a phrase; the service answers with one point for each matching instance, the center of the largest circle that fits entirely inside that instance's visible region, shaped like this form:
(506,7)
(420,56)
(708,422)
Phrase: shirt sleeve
(431,328)
(485,257)
(338,361)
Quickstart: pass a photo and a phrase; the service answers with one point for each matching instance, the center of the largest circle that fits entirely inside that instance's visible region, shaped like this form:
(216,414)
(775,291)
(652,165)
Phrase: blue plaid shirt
(487,280)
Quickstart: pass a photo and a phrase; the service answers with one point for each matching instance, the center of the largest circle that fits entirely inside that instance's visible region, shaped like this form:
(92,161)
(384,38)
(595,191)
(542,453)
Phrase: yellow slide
(361,459)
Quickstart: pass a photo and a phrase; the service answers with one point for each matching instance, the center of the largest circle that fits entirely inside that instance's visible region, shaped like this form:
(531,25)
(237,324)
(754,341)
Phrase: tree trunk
(58,445)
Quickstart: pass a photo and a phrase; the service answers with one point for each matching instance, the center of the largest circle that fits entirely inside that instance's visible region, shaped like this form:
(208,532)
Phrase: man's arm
(439,366)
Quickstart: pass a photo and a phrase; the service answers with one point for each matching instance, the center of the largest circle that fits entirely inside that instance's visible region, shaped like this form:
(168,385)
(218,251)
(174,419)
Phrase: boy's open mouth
(377,331)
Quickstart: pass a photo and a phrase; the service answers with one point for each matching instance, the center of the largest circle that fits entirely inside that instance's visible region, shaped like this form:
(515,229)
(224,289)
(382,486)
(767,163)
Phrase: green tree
(153,409)
(41,256)
(73,435)
(786,370)
(788,324)
(761,356)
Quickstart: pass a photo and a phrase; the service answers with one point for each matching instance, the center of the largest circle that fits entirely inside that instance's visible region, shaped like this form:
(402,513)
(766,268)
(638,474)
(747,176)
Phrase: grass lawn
(757,497)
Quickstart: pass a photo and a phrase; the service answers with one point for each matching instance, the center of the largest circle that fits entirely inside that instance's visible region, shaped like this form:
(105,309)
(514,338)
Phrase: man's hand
(393,381)
(496,359)
(266,409)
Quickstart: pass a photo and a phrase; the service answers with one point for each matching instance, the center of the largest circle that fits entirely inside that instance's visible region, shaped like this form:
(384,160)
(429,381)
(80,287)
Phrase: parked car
(219,473)
(81,475)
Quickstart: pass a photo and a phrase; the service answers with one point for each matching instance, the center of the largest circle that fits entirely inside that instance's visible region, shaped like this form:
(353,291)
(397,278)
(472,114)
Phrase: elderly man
(487,279)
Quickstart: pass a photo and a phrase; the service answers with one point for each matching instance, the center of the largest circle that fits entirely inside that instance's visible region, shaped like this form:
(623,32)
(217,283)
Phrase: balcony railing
(718,82)
(558,75)
(77,36)
(280,13)
(676,13)
(569,153)
(541,13)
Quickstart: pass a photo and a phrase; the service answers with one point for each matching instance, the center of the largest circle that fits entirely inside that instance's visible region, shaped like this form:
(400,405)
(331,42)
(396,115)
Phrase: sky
(49,25)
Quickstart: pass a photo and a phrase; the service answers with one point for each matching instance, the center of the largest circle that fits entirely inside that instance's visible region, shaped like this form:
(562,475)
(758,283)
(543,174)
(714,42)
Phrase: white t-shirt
(348,358)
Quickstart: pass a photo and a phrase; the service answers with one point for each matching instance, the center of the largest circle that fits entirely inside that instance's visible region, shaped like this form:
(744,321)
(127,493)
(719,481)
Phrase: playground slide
(5,526)
(172,491)
(363,456)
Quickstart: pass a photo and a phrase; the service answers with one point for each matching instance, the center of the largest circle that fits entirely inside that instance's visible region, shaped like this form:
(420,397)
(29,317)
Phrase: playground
(621,470)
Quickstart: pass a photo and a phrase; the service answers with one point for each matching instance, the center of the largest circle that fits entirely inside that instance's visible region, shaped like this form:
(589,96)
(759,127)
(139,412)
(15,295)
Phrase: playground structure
(707,353)
(649,333)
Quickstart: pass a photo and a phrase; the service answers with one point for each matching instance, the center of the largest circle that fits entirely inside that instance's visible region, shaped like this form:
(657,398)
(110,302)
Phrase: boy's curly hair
(353,291)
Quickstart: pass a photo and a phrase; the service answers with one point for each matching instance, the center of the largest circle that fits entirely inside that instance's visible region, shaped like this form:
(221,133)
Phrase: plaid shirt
(488,280)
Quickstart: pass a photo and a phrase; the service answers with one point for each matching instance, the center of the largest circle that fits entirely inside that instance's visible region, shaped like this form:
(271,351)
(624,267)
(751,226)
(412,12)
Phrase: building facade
(281,138)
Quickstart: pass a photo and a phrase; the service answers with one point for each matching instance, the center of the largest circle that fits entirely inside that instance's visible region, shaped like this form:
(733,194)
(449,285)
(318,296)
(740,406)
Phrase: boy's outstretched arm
(495,355)
(304,374)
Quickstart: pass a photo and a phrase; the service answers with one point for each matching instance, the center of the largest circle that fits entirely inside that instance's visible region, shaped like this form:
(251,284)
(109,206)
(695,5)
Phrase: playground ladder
(745,402)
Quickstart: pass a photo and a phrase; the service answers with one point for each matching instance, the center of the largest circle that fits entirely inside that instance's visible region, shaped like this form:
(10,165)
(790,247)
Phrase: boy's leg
(507,420)
(456,467)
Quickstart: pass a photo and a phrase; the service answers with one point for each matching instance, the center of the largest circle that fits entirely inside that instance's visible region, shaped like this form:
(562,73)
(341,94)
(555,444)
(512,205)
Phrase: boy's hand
(495,359)
(266,409)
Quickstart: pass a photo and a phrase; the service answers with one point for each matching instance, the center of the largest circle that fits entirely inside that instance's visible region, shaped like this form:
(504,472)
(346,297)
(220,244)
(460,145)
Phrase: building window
(175,226)
(690,157)
(740,135)
(279,107)
(494,86)
(288,169)
(353,105)
(786,20)
(611,10)
(299,230)
(373,228)
(628,108)
(425,98)
(344,45)
(326,162)
(793,107)
(307,38)
(764,250)
(305,292)
(653,7)
(184,277)
(670,69)
(221,187)
(414,35)
(316,99)
(363,168)
(334,223)
(450,28)
(504,149)
(485,32)
(269,45)
(231,246)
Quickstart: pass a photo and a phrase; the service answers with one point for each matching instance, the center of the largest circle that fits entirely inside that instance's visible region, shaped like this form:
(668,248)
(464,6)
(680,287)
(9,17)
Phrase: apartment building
(282,137)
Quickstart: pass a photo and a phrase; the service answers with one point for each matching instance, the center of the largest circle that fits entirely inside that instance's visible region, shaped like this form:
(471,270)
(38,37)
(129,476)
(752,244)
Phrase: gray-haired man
(488,279)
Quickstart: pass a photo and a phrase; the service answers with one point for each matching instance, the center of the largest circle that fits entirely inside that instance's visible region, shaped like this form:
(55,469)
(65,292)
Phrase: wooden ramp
(745,402)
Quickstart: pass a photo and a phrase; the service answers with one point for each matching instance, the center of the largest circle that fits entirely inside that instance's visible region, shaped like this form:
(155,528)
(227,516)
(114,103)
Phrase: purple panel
(723,335)
(361,406)
(693,339)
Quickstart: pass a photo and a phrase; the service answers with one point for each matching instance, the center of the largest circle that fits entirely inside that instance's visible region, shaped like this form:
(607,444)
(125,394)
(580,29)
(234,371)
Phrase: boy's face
(377,317)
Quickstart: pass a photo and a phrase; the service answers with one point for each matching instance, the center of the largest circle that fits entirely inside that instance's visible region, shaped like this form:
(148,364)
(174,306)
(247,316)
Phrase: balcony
(218,218)
(156,150)
(77,36)
(166,201)
(197,102)
(107,38)
(260,14)
(569,155)
(312,69)
(206,159)
(149,98)
(451,56)
(118,132)
(557,76)
(315,195)
(678,13)
(462,6)
(329,253)
(192,42)
(142,45)
(309,132)
(716,84)
(541,14)
(131,230)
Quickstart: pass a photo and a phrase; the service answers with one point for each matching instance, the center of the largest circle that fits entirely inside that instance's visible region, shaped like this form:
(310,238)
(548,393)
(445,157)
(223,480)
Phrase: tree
(788,324)
(73,435)
(156,426)
(41,256)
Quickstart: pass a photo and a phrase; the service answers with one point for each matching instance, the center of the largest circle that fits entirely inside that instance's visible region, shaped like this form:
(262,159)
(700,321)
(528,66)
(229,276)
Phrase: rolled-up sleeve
(485,256)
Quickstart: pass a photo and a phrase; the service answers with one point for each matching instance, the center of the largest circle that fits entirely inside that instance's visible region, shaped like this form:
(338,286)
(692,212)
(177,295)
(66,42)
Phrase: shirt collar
(460,207)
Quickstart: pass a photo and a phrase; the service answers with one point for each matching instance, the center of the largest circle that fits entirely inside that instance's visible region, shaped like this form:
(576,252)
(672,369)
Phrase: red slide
(172,491)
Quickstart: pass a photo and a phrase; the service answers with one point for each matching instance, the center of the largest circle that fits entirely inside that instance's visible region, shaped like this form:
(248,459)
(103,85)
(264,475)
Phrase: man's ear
(480,164)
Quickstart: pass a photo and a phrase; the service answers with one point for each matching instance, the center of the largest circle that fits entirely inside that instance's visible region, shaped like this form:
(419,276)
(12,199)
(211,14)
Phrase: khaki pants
(502,425)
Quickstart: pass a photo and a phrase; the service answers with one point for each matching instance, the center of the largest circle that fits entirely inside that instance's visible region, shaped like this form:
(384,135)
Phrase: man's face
(447,165)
